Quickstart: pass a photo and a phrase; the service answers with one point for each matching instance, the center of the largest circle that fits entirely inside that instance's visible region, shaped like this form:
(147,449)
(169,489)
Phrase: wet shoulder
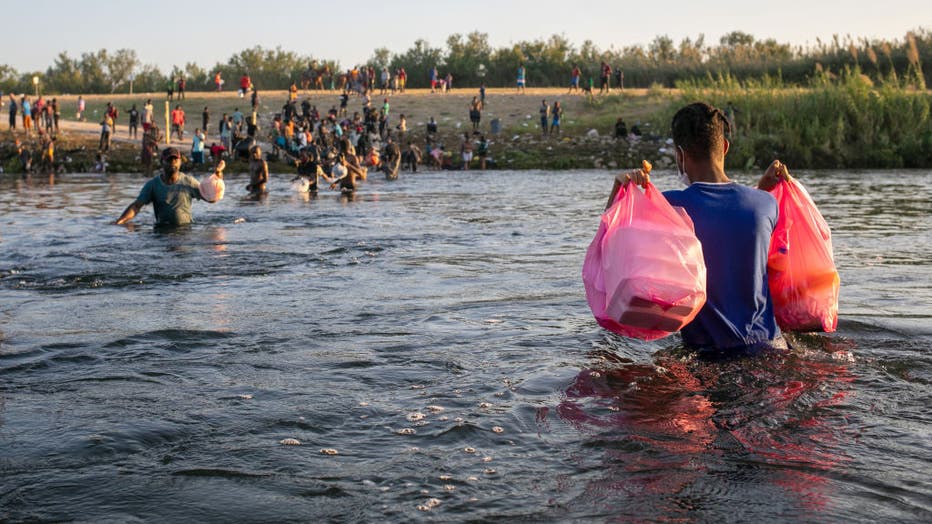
(188,180)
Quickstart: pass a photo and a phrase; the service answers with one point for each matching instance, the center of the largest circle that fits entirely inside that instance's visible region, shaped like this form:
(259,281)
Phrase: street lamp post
(35,82)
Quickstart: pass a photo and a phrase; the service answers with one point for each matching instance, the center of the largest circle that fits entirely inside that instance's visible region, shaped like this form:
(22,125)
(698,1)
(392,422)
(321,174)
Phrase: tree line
(473,61)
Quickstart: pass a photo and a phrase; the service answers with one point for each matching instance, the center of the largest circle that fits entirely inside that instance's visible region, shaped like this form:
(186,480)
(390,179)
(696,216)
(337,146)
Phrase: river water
(434,333)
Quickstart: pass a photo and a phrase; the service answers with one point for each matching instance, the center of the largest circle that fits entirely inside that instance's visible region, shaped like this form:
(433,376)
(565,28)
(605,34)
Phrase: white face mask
(684,179)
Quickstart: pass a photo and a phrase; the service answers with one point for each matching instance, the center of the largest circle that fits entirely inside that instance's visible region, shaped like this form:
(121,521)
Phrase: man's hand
(640,177)
(775,172)
(128,214)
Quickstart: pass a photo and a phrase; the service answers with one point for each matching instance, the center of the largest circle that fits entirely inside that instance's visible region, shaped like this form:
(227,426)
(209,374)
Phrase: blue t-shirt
(171,203)
(734,223)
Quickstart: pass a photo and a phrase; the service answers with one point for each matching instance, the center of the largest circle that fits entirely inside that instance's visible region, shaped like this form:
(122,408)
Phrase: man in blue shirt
(734,224)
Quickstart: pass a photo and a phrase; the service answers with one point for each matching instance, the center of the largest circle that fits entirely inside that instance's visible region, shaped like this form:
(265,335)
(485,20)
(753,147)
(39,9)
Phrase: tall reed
(839,122)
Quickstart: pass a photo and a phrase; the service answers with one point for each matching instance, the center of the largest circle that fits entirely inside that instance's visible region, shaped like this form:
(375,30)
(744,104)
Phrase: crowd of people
(39,119)
(371,138)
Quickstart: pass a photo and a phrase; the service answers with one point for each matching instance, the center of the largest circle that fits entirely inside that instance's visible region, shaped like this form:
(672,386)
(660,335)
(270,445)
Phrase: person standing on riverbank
(14,108)
(475,113)
(197,147)
(106,130)
(604,78)
(237,120)
(244,84)
(170,193)
(225,129)
(148,115)
(56,114)
(574,79)
(544,117)
(81,108)
(734,223)
(133,121)
(483,151)
(177,117)
(521,79)
(113,113)
(26,110)
(205,120)
(556,114)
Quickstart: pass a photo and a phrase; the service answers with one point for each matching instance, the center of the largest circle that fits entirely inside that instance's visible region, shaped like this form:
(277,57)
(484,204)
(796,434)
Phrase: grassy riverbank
(843,123)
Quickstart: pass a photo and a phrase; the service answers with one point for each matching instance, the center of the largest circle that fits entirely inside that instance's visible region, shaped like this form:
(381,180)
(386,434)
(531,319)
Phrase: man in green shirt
(170,193)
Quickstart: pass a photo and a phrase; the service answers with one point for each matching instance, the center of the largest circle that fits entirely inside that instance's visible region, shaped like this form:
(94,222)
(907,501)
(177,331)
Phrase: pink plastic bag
(212,188)
(800,267)
(644,273)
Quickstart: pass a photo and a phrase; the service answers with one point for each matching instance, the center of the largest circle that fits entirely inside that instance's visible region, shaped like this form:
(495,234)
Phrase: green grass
(841,123)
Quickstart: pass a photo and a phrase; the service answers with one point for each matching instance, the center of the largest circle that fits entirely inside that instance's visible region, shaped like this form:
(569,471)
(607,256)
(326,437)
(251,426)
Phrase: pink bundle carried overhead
(644,273)
(800,266)
(213,187)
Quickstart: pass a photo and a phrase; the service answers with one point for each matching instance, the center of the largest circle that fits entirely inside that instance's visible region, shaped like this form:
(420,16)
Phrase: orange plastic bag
(644,273)
(801,270)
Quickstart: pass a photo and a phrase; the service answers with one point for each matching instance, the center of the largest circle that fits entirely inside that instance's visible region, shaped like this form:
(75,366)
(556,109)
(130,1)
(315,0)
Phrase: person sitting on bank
(170,193)
(621,129)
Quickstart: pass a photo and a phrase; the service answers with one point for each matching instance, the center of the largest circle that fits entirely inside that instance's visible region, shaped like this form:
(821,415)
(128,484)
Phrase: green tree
(196,76)
(417,62)
(119,66)
(464,56)
(93,68)
(9,79)
(662,50)
(149,79)
(64,76)
(736,39)
(381,58)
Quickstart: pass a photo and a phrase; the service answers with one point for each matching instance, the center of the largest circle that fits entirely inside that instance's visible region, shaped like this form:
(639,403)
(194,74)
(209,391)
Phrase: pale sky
(169,33)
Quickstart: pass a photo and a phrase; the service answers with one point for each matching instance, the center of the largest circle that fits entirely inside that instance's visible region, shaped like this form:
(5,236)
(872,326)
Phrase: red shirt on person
(178,117)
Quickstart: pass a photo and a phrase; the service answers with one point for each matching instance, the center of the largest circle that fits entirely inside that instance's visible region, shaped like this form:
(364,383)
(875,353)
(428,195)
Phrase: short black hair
(700,129)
